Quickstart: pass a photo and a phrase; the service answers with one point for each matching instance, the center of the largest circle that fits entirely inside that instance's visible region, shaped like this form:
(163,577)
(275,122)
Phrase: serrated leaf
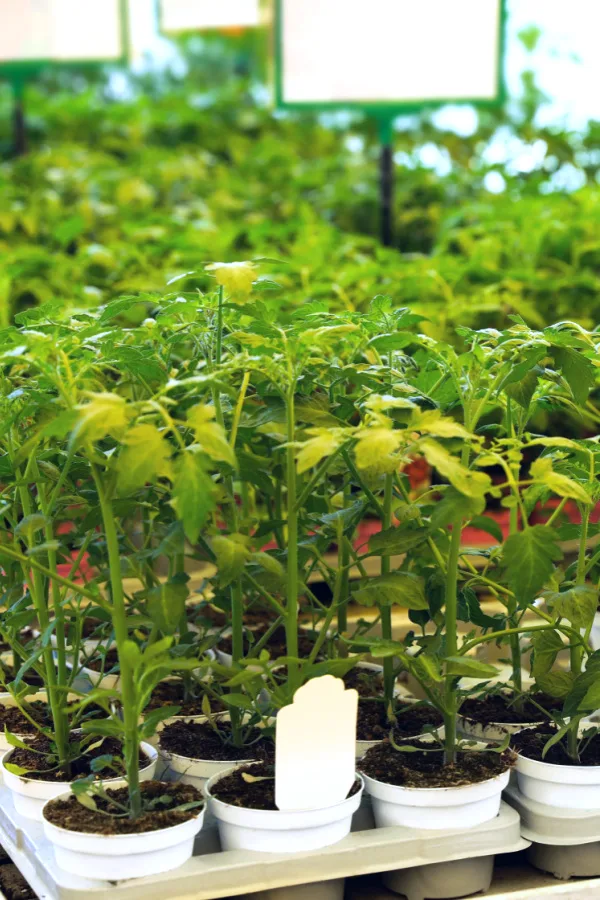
(397,589)
(546,647)
(145,457)
(209,434)
(193,493)
(166,606)
(578,604)
(395,540)
(231,555)
(469,668)
(105,414)
(455,506)
(489,525)
(559,484)
(472,484)
(577,371)
(323,443)
(558,684)
(528,559)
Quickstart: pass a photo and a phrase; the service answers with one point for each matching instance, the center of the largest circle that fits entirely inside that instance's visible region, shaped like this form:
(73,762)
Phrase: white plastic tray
(211,874)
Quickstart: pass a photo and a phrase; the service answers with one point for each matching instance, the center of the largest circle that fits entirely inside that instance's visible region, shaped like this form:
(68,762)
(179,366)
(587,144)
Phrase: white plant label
(178,16)
(60,30)
(314,745)
(389,51)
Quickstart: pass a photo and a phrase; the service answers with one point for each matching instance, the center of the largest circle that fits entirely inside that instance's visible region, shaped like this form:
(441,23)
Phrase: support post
(386,181)
(19,125)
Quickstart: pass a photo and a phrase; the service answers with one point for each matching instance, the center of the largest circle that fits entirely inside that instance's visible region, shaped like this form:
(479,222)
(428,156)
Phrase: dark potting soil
(411,718)
(172,693)
(198,740)
(13,885)
(38,760)
(103,663)
(531,743)
(276,644)
(166,798)
(501,708)
(31,678)
(14,721)
(236,791)
(426,769)
(366,682)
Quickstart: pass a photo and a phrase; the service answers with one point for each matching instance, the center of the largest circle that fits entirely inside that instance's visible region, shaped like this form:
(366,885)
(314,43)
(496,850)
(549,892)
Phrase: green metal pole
(386,180)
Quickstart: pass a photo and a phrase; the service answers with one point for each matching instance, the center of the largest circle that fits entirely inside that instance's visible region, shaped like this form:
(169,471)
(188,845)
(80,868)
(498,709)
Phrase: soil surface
(426,769)
(103,663)
(13,885)
(166,798)
(366,682)
(172,693)
(276,645)
(411,718)
(41,765)
(31,677)
(531,743)
(236,791)
(501,708)
(198,740)
(14,721)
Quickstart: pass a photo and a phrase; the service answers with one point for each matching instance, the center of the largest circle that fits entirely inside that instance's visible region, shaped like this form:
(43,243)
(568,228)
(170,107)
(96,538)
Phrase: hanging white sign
(388,52)
(61,31)
(178,16)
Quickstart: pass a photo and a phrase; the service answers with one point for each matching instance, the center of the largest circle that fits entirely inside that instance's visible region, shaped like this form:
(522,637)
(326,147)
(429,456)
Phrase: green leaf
(528,558)
(470,668)
(239,701)
(522,391)
(591,699)
(131,654)
(546,647)
(16,770)
(473,484)
(559,484)
(231,556)
(105,414)
(193,493)
(397,589)
(578,604)
(396,540)
(29,525)
(104,727)
(577,370)
(490,526)
(558,684)
(560,734)
(13,740)
(86,800)
(454,507)
(209,434)
(166,605)
(145,456)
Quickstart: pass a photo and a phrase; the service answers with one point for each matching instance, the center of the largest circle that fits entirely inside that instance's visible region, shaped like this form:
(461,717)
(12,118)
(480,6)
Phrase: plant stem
(511,603)
(291,618)
(451,611)
(119,621)
(386,611)
(344,577)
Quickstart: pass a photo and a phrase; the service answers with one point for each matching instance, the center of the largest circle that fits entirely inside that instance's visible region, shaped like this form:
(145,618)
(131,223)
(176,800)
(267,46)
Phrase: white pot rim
(521,725)
(526,762)
(232,763)
(439,792)
(150,751)
(273,813)
(171,829)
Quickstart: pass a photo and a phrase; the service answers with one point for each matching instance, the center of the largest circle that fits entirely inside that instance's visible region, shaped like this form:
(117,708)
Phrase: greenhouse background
(299,450)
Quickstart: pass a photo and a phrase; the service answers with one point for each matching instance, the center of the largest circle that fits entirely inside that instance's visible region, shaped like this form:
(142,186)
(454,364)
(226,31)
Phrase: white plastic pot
(97,679)
(569,787)
(123,855)
(464,806)
(29,795)
(274,831)
(493,731)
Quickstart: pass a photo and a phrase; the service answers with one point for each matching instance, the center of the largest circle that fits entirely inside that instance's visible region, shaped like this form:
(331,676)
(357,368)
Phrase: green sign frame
(21,70)
(384,110)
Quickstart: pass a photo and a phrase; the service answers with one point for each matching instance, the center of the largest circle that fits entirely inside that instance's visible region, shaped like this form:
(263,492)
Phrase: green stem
(291,618)
(386,611)
(344,577)
(451,616)
(119,621)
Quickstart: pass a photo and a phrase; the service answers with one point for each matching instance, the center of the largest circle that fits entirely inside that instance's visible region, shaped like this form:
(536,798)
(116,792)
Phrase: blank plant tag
(314,745)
